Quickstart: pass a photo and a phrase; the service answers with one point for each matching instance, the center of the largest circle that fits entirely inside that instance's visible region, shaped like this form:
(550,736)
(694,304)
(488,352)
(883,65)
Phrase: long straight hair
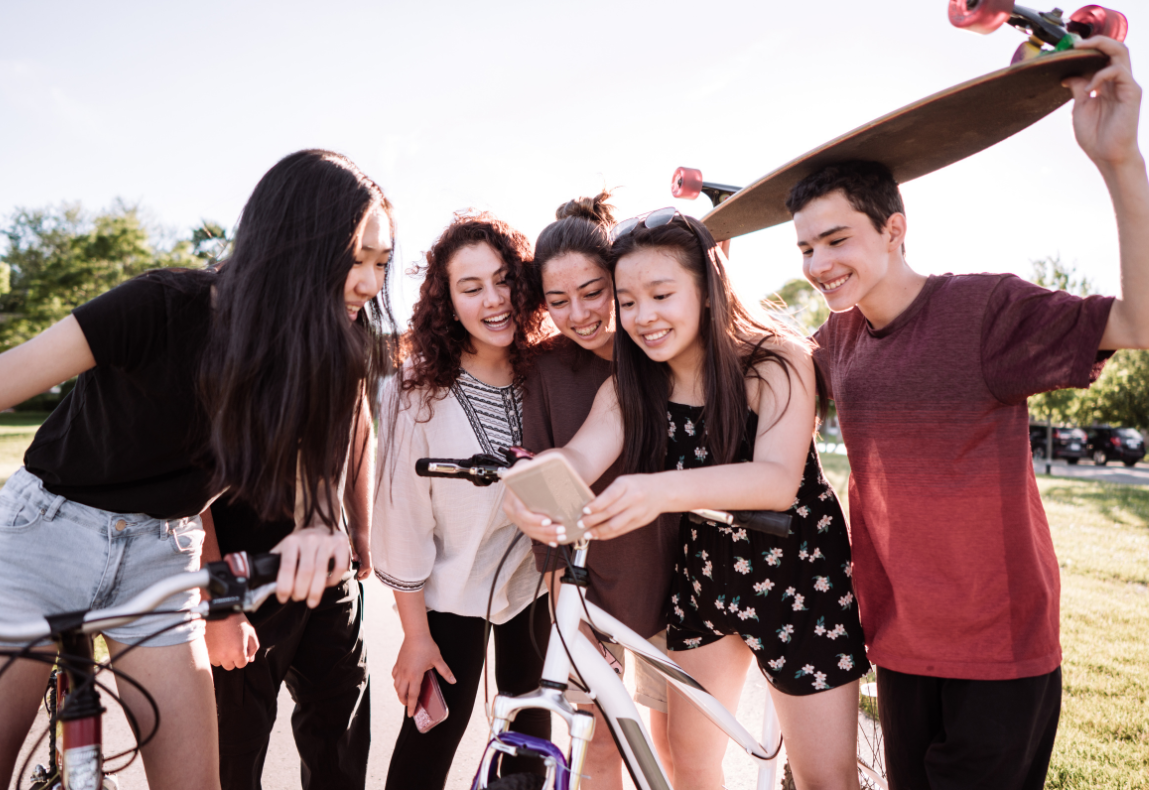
(284,372)
(734,341)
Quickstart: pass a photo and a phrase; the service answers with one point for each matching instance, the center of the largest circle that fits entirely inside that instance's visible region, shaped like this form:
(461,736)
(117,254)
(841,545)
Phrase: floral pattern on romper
(791,599)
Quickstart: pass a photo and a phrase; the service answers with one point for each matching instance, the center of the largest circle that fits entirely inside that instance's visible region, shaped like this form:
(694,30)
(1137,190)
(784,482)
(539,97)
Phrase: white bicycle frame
(618,708)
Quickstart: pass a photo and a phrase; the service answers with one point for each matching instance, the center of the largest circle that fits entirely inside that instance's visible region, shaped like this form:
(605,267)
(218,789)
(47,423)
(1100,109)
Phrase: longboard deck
(921,137)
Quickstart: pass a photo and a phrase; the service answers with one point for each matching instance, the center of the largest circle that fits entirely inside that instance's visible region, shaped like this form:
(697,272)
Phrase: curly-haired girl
(438,544)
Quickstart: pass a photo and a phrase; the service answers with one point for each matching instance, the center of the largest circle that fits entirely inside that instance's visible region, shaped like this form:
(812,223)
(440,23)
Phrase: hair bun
(596,209)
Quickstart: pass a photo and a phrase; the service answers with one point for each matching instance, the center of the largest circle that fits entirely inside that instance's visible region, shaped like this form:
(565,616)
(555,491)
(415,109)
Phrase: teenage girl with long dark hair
(192,383)
(438,544)
(630,576)
(710,407)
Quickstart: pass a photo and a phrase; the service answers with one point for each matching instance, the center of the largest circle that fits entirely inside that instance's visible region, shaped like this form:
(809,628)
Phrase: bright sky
(517,107)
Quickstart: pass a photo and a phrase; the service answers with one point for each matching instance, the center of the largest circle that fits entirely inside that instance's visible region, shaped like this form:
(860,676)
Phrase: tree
(209,241)
(59,258)
(804,306)
(1120,396)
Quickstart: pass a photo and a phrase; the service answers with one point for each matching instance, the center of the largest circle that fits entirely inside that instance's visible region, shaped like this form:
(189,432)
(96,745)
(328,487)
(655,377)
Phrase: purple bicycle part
(533,742)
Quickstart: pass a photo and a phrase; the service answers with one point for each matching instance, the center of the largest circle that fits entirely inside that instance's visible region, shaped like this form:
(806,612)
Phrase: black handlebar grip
(264,569)
(769,521)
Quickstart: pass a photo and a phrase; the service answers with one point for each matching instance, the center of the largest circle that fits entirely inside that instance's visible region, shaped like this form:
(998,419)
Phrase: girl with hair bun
(710,407)
(438,544)
(630,576)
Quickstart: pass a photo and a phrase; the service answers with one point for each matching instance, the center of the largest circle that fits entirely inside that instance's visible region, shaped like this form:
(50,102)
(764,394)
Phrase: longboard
(921,137)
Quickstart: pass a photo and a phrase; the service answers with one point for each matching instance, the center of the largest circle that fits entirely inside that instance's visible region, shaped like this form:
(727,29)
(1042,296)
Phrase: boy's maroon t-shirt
(954,567)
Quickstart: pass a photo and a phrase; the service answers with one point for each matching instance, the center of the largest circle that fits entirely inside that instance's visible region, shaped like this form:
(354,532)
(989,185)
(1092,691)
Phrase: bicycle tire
(871,747)
(518,782)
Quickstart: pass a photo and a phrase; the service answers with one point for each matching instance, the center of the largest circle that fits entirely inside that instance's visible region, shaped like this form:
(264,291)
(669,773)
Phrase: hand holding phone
(549,485)
(431,708)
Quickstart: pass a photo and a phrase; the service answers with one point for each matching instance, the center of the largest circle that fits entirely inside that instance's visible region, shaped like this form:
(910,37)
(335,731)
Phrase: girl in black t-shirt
(251,380)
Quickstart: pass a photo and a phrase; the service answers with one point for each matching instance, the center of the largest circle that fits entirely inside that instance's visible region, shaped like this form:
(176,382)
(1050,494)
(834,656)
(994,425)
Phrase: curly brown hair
(434,345)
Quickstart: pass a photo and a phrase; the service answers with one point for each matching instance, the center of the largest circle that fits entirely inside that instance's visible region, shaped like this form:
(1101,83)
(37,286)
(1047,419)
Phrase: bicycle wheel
(871,749)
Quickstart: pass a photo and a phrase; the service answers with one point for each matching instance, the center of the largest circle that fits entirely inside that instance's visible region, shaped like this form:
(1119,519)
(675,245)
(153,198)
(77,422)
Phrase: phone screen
(431,708)
(549,485)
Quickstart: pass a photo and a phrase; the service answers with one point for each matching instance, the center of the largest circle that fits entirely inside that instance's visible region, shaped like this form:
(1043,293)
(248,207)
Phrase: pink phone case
(431,708)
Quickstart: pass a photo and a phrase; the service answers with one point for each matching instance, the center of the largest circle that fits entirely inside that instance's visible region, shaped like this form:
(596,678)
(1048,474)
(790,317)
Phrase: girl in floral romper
(709,407)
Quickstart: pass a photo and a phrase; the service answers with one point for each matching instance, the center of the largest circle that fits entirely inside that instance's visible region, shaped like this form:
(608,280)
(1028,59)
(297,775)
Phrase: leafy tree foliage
(1121,396)
(804,306)
(60,257)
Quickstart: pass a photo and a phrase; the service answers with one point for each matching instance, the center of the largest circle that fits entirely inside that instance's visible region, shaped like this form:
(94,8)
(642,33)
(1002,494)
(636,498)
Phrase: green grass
(1101,535)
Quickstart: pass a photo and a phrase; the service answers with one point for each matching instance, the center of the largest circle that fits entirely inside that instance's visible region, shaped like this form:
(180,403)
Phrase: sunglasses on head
(655,219)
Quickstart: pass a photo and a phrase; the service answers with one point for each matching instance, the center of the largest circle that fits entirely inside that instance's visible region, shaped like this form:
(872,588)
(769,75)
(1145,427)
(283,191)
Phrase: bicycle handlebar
(483,470)
(239,582)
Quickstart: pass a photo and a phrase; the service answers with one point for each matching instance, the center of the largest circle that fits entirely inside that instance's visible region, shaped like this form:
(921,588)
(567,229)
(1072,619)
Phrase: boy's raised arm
(1105,116)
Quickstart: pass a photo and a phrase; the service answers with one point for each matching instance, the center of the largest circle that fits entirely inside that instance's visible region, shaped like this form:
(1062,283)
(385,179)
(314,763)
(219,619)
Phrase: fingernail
(553,545)
(586,510)
(546,522)
(561,530)
(581,525)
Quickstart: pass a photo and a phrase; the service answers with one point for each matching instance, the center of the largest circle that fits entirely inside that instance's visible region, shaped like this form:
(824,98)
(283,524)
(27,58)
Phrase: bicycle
(237,583)
(570,649)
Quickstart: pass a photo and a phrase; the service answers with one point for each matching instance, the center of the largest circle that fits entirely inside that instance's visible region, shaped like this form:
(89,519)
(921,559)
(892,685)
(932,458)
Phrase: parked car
(1068,443)
(1115,444)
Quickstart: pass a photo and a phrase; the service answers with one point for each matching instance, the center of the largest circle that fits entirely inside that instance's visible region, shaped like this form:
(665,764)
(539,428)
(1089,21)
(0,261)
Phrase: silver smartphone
(549,485)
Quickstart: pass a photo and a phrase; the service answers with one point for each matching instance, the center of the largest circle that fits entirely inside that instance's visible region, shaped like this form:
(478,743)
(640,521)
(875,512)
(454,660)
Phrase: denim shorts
(57,555)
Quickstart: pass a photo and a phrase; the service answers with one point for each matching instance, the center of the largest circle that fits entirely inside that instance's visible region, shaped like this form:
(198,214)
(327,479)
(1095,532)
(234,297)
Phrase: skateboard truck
(1042,27)
(687,183)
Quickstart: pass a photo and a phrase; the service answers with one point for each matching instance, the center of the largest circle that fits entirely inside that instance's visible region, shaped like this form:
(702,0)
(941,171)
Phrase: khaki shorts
(649,684)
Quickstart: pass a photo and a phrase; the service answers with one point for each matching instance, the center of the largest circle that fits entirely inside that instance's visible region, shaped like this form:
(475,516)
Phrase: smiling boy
(955,571)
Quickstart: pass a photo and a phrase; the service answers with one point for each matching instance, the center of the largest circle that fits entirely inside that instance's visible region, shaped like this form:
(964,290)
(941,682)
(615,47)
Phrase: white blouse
(442,536)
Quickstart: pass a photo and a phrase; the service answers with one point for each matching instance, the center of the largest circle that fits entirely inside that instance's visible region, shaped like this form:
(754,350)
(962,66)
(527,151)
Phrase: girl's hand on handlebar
(304,558)
(418,654)
(627,504)
(231,642)
(535,525)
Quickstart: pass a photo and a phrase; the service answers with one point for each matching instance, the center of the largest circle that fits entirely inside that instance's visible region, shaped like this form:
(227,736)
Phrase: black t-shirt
(132,437)
(238,528)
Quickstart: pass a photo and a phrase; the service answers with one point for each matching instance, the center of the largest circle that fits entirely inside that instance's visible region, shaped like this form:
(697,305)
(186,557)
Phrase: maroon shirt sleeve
(823,353)
(1035,340)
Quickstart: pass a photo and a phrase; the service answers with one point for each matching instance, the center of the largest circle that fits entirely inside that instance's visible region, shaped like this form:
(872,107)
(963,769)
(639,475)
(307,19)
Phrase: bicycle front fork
(562,773)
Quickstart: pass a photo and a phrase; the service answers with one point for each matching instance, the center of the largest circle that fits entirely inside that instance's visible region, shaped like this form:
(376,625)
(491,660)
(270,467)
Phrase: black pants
(942,733)
(421,761)
(321,656)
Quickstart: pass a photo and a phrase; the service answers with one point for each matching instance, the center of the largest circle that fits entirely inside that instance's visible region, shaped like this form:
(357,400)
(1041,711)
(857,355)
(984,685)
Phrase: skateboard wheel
(980,16)
(687,183)
(1093,20)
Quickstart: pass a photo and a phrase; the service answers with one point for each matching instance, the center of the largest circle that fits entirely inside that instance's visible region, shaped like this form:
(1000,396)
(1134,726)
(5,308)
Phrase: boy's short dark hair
(869,186)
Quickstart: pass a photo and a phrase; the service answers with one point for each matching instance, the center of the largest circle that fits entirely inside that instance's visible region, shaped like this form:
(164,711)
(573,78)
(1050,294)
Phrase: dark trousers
(942,733)
(319,653)
(421,761)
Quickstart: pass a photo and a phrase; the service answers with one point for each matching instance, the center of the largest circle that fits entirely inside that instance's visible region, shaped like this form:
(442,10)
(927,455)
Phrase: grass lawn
(1101,534)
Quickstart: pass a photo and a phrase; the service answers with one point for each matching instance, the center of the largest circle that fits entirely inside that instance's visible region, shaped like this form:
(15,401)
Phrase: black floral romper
(790,599)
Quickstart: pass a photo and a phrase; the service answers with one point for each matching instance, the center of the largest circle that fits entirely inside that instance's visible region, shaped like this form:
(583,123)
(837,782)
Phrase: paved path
(1114,472)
